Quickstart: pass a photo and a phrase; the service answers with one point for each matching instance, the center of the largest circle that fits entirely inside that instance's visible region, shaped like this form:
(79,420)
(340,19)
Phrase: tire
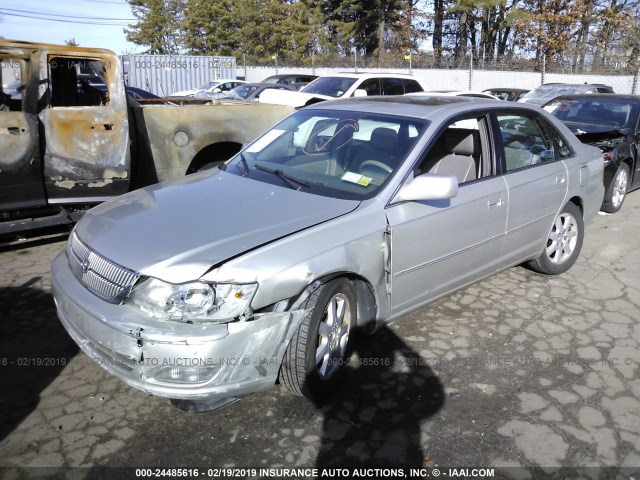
(563,244)
(326,332)
(616,191)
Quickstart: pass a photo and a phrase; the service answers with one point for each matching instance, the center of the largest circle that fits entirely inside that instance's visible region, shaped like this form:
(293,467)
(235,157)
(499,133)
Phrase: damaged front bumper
(180,361)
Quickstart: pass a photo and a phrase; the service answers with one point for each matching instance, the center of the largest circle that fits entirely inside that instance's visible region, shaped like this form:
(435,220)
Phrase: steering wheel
(376,164)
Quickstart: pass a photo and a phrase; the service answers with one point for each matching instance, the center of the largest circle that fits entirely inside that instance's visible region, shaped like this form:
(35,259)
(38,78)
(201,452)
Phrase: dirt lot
(520,370)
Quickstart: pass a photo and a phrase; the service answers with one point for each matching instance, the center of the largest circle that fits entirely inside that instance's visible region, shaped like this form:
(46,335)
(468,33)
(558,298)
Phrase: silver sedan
(342,218)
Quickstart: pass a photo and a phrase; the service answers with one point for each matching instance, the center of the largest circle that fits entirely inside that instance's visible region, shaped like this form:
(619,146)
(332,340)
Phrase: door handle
(102,126)
(15,130)
(561,179)
(494,202)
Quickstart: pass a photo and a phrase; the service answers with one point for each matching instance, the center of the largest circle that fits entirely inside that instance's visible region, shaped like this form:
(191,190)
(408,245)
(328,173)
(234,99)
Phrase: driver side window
(458,151)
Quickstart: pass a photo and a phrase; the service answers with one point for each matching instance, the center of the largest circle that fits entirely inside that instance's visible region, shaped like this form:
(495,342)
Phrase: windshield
(273,79)
(330,86)
(552,91)
(243,91)
(610,112)
(339,154)
(208,85)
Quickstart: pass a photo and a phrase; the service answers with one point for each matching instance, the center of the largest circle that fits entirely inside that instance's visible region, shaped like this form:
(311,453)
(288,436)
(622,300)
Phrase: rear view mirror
(360,93)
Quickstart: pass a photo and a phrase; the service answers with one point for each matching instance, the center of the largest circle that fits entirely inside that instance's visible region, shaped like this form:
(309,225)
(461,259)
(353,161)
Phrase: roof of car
(585,83)
(283,75)
(505,89)
(370,74)
(592,96)
(418,106)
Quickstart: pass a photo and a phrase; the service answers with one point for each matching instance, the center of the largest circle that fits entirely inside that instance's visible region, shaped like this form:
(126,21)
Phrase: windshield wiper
(245,165)
(288,179)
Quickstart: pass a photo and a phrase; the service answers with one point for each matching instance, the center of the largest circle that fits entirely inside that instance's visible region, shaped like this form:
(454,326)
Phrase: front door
(438,246)
(87,155)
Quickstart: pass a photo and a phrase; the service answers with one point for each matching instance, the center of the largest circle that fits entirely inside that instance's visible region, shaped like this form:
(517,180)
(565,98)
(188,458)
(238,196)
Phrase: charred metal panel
(18,140)
(21,184)
(87,151)
(177,134)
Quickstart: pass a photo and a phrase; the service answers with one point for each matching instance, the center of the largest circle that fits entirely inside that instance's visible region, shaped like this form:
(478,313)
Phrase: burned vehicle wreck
(71,137)
(344,217)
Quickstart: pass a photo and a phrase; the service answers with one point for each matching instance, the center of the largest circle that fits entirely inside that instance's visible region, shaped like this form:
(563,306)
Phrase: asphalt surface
(520,370)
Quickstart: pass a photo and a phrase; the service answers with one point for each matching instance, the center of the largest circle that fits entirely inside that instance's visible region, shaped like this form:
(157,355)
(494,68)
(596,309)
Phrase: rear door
(21,185)
(536,178)
(86,129)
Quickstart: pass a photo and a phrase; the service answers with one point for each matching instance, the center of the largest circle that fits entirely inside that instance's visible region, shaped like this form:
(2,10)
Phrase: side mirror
(360,93)
(428,186)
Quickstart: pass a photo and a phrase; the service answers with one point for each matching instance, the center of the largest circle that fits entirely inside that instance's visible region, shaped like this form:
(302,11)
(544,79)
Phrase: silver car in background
(342,218)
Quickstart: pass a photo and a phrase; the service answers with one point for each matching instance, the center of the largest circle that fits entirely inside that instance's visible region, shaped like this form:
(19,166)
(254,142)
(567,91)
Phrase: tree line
(578,34)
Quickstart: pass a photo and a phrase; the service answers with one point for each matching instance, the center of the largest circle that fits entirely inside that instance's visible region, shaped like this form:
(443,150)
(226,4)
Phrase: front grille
(106,279)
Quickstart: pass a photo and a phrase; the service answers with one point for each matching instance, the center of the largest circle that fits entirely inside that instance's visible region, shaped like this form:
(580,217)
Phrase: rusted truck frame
(66,145)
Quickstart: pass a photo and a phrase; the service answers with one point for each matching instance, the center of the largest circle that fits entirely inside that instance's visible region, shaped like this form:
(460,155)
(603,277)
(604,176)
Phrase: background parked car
(542,94)
(140,94)
(344,85)
(13,90)
(249,92)
(507,94)
(215,86)
(290,78)
(610,122)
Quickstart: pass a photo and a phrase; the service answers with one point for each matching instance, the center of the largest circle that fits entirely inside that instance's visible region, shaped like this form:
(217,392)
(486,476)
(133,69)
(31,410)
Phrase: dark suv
(611,123)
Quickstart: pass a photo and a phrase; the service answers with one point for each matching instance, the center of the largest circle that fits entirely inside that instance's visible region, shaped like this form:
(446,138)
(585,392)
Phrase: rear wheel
(616,190)
(563,243)
(315,360)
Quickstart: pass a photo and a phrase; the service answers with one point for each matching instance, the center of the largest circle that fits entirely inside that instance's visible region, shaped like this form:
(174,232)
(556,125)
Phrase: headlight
(609,156)
(195,302)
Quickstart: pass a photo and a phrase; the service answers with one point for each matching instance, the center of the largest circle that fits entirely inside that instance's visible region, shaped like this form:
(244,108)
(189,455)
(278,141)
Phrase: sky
(62,23)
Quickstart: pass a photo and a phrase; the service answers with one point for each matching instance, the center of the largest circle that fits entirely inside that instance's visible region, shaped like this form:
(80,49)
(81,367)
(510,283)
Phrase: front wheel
(563,243)
(616,190)
(315,360)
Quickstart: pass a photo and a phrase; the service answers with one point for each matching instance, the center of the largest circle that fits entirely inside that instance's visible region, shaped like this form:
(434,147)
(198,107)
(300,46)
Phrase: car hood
(290,98)
(588,133)
(178,230)
(183,93)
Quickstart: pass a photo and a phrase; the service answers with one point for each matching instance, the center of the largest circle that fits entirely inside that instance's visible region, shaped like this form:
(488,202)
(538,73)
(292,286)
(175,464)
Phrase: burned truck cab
(63,140)
(71,138)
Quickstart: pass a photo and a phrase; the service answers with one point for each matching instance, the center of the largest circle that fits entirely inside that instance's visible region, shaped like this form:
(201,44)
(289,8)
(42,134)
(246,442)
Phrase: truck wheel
(563,243)
(315,360)
(616,190)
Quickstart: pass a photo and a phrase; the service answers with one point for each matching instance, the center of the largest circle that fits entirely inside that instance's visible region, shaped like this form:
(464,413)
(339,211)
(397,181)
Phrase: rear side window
(524,140)
(393,86)
(371,86)
(411,86)
(562,147)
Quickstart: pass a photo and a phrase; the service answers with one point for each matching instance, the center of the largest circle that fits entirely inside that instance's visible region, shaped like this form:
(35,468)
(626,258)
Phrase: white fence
(463,79)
